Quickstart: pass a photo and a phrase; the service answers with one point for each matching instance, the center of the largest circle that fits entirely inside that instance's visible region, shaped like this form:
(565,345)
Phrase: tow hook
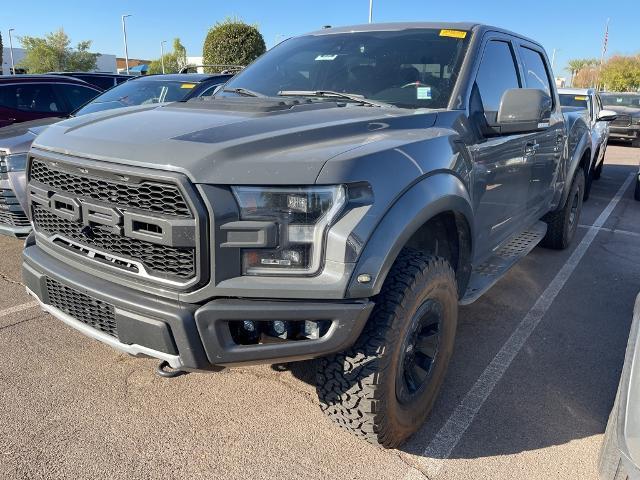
(165,370)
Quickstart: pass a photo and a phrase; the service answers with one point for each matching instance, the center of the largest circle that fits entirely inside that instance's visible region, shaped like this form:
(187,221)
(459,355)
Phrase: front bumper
(12,231)
(631,132)
(191,336)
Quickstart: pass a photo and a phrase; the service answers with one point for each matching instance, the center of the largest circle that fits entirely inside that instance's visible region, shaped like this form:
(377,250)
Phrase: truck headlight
(16,162)
(635,120)
(302,214)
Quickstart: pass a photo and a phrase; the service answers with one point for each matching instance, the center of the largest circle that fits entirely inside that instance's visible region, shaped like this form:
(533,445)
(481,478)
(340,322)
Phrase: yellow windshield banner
(188,85)
(580,98)
(453,33)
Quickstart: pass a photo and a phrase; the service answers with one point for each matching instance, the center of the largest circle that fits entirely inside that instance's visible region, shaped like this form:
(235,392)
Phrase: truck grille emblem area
(145,228)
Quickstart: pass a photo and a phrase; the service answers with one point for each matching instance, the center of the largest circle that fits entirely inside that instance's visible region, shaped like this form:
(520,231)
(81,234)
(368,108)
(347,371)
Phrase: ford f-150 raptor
(337,199)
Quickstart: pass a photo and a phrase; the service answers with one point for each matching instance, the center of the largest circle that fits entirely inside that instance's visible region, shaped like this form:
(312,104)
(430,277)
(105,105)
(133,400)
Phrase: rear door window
(31,97)
(535,71)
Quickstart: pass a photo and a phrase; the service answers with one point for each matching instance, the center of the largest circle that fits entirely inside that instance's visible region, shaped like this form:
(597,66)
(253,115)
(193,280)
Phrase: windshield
(414,68)
(621,100)
(572,100)
(138,92)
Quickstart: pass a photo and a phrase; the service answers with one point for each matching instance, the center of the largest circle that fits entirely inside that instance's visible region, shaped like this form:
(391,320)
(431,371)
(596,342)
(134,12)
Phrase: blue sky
(574,27)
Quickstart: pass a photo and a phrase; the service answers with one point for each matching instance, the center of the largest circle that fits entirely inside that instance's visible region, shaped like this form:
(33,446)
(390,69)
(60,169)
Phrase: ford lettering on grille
(136,224)
(170,232)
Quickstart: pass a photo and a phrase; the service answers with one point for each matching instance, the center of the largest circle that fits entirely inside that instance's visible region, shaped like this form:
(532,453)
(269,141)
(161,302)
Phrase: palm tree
(575,65)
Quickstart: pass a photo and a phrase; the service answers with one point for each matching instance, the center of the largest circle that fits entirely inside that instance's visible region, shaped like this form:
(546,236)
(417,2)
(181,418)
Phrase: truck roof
(395,26)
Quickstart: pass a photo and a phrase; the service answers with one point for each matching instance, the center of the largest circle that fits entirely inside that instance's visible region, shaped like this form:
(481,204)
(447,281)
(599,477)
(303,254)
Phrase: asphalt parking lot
(527,396)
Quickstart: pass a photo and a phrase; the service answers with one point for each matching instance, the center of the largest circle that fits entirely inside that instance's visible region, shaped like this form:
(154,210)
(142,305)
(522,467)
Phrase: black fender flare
(578,152)
(438,193)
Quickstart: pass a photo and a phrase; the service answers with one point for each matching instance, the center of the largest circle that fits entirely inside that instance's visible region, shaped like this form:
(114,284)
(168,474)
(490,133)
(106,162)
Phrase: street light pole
(126,48)
(370,11)
(162,54)
(13,67)
(553,57)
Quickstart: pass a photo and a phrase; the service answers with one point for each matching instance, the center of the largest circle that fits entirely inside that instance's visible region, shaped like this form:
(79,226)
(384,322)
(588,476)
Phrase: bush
(232,42)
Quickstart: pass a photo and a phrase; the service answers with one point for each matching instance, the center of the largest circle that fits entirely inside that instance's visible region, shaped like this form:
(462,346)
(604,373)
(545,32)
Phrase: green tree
(621,73)
(173,61)
(232,42)
(54,53)
(574,66)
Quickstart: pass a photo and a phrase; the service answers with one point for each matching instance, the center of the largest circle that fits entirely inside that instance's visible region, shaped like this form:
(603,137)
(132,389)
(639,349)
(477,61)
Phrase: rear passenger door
(501,173)
(546,145)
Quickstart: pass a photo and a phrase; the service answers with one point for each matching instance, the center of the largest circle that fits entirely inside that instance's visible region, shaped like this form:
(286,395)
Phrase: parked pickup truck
(627,124)
(588,100)
(337,199)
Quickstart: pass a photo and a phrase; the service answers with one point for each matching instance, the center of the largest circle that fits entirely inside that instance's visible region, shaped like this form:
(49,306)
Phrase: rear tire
(562,224)
(383,388)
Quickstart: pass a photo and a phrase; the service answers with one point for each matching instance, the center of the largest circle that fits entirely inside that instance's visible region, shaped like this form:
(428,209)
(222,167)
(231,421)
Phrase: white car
(588,99)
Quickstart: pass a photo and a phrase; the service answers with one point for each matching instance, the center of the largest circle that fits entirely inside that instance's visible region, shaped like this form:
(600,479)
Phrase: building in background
(561,82)
(121,64)
(106,62)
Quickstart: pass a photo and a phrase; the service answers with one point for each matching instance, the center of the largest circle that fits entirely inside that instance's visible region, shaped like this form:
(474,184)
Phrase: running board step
(486,274)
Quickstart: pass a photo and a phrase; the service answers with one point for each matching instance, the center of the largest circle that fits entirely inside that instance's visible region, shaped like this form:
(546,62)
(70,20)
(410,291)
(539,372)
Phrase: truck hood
(234,140)
(634,112)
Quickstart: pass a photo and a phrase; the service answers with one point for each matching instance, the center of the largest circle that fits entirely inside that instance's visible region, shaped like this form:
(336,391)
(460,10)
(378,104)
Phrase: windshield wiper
(245,92)
(329,93)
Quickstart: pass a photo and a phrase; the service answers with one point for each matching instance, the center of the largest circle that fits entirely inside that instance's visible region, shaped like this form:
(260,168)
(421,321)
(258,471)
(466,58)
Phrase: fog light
(279,327)
(311,330)
(249,326)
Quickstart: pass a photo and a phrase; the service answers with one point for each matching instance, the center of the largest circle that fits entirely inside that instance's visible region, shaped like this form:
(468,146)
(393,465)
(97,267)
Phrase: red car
(30,97)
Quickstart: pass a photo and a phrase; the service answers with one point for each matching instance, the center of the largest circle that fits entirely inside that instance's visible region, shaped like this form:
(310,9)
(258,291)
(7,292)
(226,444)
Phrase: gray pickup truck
(337,200)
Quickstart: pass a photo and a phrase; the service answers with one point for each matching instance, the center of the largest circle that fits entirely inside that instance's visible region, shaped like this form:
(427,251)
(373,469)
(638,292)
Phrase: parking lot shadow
(561,385)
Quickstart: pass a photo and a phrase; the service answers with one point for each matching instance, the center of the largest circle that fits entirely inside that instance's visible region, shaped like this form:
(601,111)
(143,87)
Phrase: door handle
(531,148)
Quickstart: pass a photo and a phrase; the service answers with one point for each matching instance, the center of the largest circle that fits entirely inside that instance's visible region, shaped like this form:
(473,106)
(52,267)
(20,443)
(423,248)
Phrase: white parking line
(17,308)
(613,230)
(444,442)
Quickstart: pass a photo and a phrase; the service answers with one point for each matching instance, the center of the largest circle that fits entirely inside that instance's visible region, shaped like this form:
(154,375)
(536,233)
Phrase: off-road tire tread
(348,382)
(556,235)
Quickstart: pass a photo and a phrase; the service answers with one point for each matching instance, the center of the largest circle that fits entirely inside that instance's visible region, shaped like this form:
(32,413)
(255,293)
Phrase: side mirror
(606,116)
(523,110)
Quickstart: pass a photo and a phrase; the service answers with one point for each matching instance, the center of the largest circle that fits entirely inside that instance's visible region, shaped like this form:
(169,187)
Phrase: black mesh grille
(157,259)
(622,121)
(81,307)
(10,211)
(148,196)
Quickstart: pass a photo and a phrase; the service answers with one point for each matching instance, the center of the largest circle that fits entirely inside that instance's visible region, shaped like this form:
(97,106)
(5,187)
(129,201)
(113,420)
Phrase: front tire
(384,387)
(562,224)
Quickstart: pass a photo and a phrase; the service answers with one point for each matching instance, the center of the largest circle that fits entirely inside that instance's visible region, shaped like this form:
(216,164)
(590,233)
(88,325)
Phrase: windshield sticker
(188,85)
(325,57)
(580,98)
(453,33)
(423,93)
